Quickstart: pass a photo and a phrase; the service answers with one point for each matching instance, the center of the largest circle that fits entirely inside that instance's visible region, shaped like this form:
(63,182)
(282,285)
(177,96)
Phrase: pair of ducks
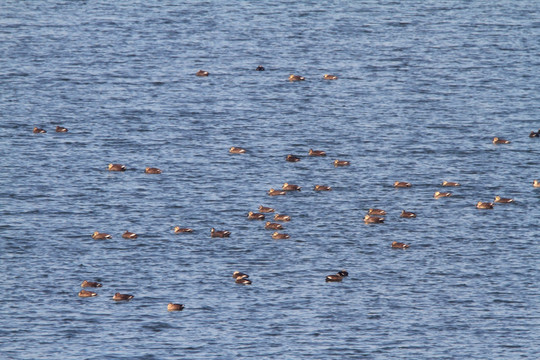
(120,167)
(43,131)
(102,236)
(535,134)
(294,77)
(94,284)
(489,205)
(375,216)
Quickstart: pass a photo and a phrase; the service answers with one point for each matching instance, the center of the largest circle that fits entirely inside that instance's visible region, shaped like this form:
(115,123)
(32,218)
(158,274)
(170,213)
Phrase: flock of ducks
(373,216)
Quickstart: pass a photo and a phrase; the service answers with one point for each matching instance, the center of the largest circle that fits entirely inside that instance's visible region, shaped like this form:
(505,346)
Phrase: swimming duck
(501,200)
(282,217)
(260,68)
(329,77)
(341,163)
(534,134)
(484,205)
(536,183)
(292,158)
(439,194)
(175,307)
(39,131)
(333,278)
(121,297)
(291,187)
(86,293)
(402,184)
(293,77)
(273,226)
(90,284)
(237,150)
(243,281)
(376,212)
(101,236)
(280,236)
(407,214)
(255,216)
(497,140)
(239,275)
(373,219)
(450,183)
(129,235)
(61,129)
(316,153)
(151,170)
(221,233)
(265,209)
(178,229)
(273,192)
(322,188)
(399,245)
(117,167)
(202,73)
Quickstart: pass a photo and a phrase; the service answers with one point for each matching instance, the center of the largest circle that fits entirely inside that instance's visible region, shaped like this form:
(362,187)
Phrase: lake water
(423,88)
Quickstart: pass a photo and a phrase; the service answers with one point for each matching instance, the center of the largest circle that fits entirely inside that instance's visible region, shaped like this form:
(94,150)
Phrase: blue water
(423,88)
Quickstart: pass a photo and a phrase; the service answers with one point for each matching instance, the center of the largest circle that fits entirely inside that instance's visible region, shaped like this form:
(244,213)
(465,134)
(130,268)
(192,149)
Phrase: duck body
(450,183)
(273,226)
(243,281)
(280,236)
(333,278)
(237,150)
(152,170)
(122,297)
(129,235)
(260,68)
(399,245)
(402,184)
(439,194)
(100,236)
(291,187)
(407,214)
(373,219)
(86,293)
(117,167)
(497,140)
(90,284)
(265,209)
(178,230)
(202,73)
(61,129)
(220,234)
(293,77)
(175,307)
(255,216)
(282,217)
(338,163)
(274,192)
(329,77)
(316,153)
(39,131)
(484,205)
(536,183)
(501,200)
(376,212)
(322,188)
(292,158)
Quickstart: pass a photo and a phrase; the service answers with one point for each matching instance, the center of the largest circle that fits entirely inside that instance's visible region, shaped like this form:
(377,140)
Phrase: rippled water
(423,88)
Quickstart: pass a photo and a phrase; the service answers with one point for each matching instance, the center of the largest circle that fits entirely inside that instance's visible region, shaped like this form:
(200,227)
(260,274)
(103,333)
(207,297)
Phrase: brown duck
(202,73)
(152,170)
(237,150)
(376,212)
(450,183)
(280,236)
(292,158)
(255,216)
(273,226)
(329,77)
(501,200)
(239,275)
(117,167)
(265,209)
(293,77)
(90,284)
(129,235)
(291,187)
(497,140)
(86,293)
(402,184)
(399,245)
(178,230)
(243,281)
(101,236)
(221,233)
(175,307)
(61,129)
(316,153)
(282,217)
(373,219)
(274,192)
(536,183)
(39,131)
(122,297)
(439,194)
(407,214)
(341,163)
(322,188)
(484,205)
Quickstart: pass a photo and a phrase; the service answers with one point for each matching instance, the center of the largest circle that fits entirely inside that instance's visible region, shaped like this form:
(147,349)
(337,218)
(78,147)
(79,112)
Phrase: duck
(243,281)
(86,293)
(316,152)
(255,216)
(39,131)
(151,170)
(265,209)
(497,140)
(273,192)
(322,188)
(117,167)
(221,233)
(484,205)
(175,307)
(282,217)
(100,236)
(129,235)
(536,183)
(122,297)
(90,284)
(291,187)
(334,278)
(407,214)
(273,226)
(292,158)
(178,230)
(61,129)
(439,194)
(280,236)
(239,275)
(293,77)
(534,134)
(237,150)
(402,184)
(501,200)
(399,245)
(376,212)
(373,219)
(329,77)
(202,73)
(341,163)
(450,183)
(260,68)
